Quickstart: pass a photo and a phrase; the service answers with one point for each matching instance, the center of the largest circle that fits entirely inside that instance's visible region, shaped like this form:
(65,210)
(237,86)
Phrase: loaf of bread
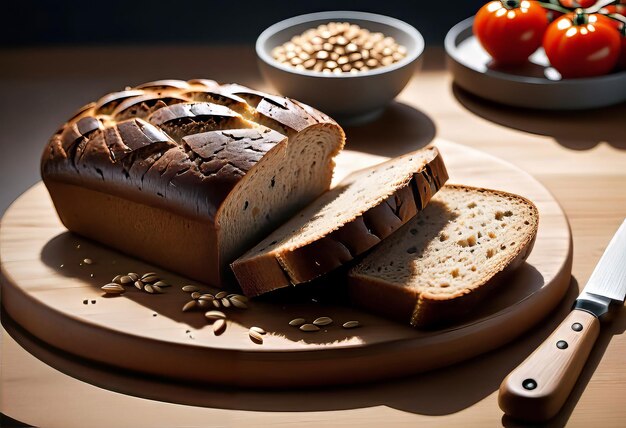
(188,175)
(446,259)
(362,210)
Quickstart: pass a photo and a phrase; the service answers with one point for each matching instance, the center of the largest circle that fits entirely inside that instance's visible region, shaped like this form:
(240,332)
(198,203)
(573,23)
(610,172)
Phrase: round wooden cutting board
(49,290)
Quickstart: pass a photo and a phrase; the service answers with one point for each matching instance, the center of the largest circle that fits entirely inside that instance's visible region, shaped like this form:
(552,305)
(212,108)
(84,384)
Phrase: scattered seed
(139,285)
(195,295)
(112,288)
(258,330)
(351,324)
(162,284)
(225,302)
(309,327)
(219,326)
(238,297)
(150,278)
(157,289)
(221,295)
(87,261)
(216,303)
(125,279)
(214,315)
(322,321)
(203,303)
(117,279)
(206,296)
(255,336)
(189,305)
(148,288)
(133,276)
(190,288)
(147,274)
(238,303)
(297,322)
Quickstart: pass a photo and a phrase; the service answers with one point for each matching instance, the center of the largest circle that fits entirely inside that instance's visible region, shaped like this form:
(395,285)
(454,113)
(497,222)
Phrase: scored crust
(409,272)
(192,149)
(325,235)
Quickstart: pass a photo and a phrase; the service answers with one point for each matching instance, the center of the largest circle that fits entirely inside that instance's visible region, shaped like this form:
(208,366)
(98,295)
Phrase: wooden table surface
(580,157)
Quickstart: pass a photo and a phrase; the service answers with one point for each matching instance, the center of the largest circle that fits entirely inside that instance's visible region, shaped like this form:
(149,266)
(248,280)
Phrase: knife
(537,389)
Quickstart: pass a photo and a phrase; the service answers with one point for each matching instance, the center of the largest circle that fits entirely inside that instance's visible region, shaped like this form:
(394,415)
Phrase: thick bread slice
(445,260)
(188,174)
(346,221)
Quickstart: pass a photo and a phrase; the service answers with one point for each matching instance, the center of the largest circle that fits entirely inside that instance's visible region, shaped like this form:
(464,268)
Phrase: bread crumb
(471,241)
(490,253)
(454,272)
(492,235)
(443,236)
(471,205)
(499,215)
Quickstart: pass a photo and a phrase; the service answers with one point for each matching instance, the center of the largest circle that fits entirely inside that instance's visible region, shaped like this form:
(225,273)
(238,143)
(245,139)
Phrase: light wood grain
(537,389)
(579,157)
(45,282)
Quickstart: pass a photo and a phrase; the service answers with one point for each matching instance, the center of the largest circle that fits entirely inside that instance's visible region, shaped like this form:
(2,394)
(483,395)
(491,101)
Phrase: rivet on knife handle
(537,389)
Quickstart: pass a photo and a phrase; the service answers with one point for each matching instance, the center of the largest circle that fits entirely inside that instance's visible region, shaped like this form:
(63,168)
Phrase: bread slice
(444,261)
(344,222)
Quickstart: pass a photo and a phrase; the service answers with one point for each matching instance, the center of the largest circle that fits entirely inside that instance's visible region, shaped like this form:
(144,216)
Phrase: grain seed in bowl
(339,47)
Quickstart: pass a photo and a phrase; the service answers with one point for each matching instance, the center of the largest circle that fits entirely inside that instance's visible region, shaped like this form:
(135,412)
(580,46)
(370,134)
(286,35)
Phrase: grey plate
(534,85)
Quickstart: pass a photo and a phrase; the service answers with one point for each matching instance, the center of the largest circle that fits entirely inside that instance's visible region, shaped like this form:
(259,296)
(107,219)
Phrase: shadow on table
(576,130)
(439,392)
(400,129)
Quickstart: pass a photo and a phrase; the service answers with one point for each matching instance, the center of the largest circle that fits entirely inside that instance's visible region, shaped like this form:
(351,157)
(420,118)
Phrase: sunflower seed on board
(117,279)
(238,303)
(125,279)
(216,303)
(134,276)
(190,288)
(162,284)
(255,336)
(239,297)
(206,296)
(113,288)
(309,327)
(351,324)
(221,295)
(225,302)
(88,261)
(214,315)
(150,278)
(192,304)
(147,274)
(258,330)
(322,321)
(157,289)
(219,326)
(203,303)
(139,285)
(297,322)
(149,289)
(195,295)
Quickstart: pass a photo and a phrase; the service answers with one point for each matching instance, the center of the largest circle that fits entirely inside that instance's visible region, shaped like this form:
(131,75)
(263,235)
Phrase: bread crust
(179,146)
(272,270)
(424,310)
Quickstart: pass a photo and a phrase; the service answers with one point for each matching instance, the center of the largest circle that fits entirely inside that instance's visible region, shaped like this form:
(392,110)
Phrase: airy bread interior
(279,185)
(453,247)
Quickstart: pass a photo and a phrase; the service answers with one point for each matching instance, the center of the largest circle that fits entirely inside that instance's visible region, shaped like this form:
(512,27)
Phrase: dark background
(50,22)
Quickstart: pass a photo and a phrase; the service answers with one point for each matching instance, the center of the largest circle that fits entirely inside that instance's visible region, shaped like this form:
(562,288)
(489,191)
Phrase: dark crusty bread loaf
(188,175)
(447,258)
(346,221)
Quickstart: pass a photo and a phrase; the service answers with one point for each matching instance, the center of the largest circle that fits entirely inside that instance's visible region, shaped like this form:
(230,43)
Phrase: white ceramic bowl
(348,98)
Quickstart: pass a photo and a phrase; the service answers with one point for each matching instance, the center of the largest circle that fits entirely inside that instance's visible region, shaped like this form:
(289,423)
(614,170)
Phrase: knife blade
(537,389)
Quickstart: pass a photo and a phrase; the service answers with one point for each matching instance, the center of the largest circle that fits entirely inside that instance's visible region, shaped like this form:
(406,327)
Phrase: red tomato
(510,30)
(573,4)
(582,45)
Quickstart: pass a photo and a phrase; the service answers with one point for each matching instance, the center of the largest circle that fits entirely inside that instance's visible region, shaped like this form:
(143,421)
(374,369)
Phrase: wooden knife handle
(537,389)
